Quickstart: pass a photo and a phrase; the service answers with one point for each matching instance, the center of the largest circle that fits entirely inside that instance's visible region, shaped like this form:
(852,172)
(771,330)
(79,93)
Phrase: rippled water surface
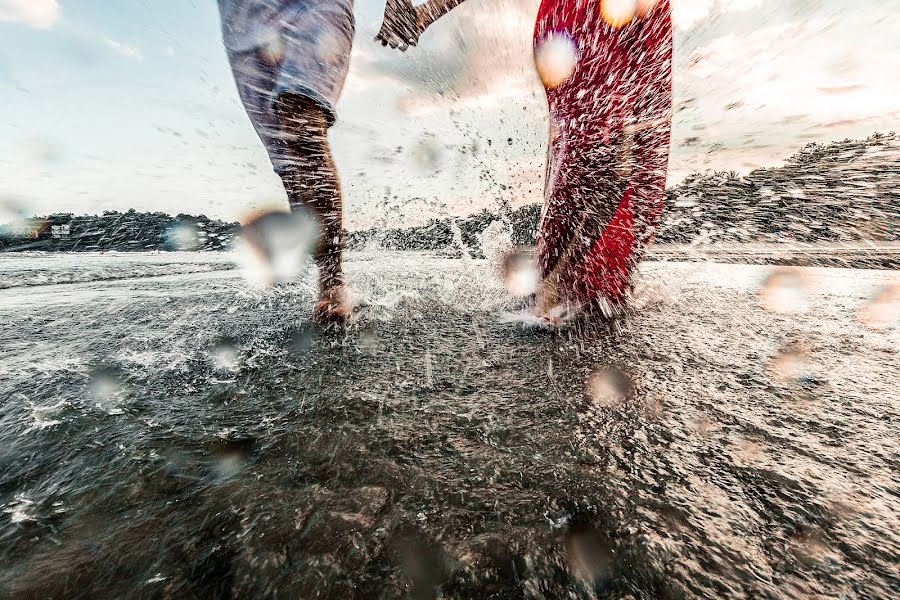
(169,432)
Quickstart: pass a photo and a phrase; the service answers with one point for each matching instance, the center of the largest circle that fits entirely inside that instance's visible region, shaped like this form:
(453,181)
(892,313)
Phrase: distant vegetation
(841,191)
(120,231)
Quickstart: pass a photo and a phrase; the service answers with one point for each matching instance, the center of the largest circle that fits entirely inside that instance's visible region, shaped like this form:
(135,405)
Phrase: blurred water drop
(106,387)
(225,355)
(589,555)
(785,291)
(748,450)
(45,151)
(182,236)
(608,387)
(645,6)
(426,154)
(618,13)
(520,273)
(789,366)
(555,59)
(302,338)
(273,50)
(368,339)
(274,246)
(105,382)
(230,457)
(702,424)
(883,309)
(809,545)
(14,221)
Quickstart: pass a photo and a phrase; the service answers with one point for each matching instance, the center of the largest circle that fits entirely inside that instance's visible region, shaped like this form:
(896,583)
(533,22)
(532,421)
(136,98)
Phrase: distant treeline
(122,231)
(841,191)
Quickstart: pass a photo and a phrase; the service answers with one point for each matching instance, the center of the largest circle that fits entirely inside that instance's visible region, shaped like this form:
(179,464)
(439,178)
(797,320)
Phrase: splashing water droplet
(274,246)
(555,59)
(883,310)
(785,291)
(608,387)
(19,510)
(520,273)
(618,13)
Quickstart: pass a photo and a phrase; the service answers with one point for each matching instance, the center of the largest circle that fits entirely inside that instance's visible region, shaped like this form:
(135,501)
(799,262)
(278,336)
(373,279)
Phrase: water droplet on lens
(301,339)
(555,59)
(105,385)
(275,246)
(883,309)
(785,291)
(644,7)
(608,387)
(230,456)
(225,355)
(273,50)
(182,236)
(618,13)
(789,366)
(589,555)
(426,154)
(520,273)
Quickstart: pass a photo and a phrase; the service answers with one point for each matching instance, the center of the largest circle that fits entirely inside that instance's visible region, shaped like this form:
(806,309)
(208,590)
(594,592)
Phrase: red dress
(609,148)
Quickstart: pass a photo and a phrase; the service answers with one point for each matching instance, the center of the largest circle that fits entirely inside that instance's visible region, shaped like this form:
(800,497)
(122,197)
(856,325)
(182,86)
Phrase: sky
(131,104)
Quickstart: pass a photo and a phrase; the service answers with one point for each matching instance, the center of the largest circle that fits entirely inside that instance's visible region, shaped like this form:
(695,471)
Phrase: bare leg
(313,184)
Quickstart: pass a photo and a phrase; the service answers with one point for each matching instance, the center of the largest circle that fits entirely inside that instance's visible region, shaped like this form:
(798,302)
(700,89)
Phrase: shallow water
(170,432)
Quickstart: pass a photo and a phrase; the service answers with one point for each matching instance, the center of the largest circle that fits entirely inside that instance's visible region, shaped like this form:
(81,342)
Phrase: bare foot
(550,308)
(546,299)
(333,307)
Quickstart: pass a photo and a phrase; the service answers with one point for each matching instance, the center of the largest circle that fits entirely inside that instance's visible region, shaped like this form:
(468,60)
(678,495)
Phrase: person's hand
(402,26)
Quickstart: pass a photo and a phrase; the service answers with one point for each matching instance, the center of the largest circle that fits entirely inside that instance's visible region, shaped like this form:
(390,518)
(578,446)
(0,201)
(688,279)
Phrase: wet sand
(182,435)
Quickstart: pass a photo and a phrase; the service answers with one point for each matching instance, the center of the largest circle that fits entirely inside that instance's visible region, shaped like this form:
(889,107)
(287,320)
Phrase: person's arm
(404,23)
(435,9)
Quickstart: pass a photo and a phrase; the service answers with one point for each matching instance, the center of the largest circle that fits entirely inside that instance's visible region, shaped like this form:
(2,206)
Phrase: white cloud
(126,51)
(41,14)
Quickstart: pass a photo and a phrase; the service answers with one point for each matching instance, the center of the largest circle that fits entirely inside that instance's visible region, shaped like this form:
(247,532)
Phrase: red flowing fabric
(609,149)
